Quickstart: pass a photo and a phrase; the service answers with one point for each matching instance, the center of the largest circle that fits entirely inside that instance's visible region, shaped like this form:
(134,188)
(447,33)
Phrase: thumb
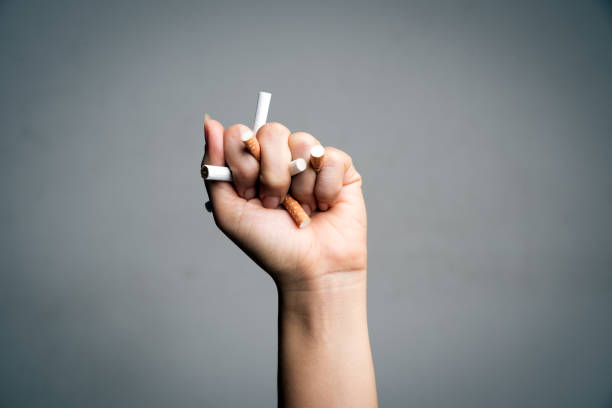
(213,143)
(224,198)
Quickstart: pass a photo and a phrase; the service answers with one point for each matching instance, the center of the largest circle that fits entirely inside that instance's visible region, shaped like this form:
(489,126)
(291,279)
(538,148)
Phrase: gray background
(484,134)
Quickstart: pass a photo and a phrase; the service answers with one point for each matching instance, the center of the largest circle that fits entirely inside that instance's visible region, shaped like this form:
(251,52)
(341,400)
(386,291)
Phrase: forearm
(324,350)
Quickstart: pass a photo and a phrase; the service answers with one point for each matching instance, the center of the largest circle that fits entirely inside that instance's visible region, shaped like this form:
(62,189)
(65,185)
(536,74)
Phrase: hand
(331,251)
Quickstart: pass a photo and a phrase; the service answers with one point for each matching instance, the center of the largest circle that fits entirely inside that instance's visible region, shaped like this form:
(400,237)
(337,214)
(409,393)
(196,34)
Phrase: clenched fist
(331,251)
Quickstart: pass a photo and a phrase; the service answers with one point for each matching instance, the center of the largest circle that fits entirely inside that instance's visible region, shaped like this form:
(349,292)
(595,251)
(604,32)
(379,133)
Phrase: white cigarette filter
(221,173)
(316,157)
(297,166)
(261,113)
(218,173)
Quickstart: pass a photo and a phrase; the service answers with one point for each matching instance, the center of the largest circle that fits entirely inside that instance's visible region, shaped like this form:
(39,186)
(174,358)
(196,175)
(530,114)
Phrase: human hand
(331,251)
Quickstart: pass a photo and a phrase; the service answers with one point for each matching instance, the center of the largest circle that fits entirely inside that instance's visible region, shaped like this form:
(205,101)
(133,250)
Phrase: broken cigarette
(261,116)
(316,157)
(222,173)
(251,143)
(297,166)
(261,113)
(296,211)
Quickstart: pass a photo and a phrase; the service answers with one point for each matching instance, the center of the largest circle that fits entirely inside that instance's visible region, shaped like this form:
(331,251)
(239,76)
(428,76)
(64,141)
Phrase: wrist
(320,283)
(326,301)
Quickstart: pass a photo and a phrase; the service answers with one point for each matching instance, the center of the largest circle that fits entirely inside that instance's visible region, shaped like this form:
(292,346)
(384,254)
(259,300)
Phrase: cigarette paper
(221,173)
(296,211)
(316,157)
(251,143)
(261,113)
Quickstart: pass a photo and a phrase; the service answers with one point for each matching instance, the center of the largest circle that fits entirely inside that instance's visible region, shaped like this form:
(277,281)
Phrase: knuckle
(338,156)
(301,140)
(233,128)
(337,159)
(233,131)
(302,135)
(272,129)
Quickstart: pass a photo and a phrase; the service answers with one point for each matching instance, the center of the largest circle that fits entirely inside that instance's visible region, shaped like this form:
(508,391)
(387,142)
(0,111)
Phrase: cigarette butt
(297,166)
(221,173)
(206,117)
(296,211)
(251,143)
(215,173)
(316,157)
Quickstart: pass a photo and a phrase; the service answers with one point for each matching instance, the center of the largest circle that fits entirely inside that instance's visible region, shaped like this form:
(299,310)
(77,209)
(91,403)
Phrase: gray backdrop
(484,134)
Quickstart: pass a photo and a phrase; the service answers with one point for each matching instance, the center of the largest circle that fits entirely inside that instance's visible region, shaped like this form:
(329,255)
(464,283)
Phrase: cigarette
(222,173)
(296,211)
(261,113)
(261,117)
(251,143)
(316,157)
(215,173)
(297,166)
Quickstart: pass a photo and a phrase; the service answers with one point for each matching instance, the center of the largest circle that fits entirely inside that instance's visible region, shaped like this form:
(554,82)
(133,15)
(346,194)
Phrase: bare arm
(324,349)
(320,271)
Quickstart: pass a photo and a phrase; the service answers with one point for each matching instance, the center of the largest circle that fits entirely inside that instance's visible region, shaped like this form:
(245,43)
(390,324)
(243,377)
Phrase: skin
(320,271)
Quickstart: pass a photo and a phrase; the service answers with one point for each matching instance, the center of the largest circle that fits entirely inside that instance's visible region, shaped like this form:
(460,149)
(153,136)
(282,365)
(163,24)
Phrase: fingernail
(271,202)
(249,193)
(307,209)
(323,207)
